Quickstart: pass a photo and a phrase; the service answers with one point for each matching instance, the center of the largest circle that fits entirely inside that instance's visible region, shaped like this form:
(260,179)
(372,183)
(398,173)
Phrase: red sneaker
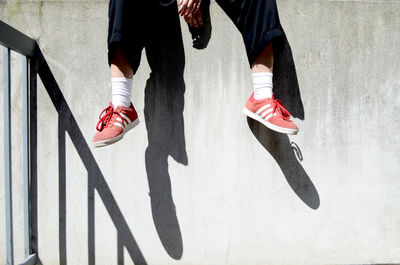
(271,113)
(113,124)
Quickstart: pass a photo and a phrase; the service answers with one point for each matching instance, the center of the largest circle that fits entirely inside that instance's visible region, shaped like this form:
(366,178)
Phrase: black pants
(257,21)
(134,24)
(137,24)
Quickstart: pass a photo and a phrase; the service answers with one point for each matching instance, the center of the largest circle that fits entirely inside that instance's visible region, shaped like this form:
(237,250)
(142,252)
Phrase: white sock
(262,85)
(121,91)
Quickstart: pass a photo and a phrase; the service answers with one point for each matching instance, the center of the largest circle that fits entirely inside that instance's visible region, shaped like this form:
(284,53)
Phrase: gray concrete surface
(202,184)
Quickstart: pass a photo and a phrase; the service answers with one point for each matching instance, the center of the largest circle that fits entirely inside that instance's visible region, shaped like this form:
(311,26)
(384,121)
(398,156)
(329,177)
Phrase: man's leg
(120,116)
(262,74)
(262,105)
(123,57)
(120,66)
(264,63)
(121,80)
(258,22)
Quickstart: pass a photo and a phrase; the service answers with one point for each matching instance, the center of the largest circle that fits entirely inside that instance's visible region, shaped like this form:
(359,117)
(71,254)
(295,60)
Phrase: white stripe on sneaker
(268,111)
(263,108)
(125,117)
(119,124)
(269,116)
(123,121)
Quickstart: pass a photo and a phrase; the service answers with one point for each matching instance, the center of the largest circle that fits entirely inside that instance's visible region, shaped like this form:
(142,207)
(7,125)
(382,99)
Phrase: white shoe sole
(268,124)
(117,138)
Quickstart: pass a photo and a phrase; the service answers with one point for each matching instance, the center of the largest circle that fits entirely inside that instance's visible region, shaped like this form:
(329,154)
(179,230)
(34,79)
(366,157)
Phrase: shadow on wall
(164,104)
(286,85)
(278,145)
(96,180)
(201,36)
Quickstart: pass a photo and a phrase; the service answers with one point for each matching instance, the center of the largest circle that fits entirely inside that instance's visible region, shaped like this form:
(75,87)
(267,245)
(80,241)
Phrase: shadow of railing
(96,180)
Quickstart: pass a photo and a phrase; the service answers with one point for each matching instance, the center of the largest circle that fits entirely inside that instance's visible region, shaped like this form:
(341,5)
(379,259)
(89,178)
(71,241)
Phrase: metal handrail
(17,41)
(12,39)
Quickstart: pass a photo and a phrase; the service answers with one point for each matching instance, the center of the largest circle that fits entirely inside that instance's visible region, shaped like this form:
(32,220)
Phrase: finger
(196,8)
(188,21)
(180,9)
(183,6)
(187,14)
(190,4)
(188,18)
(183,11)
(189,8)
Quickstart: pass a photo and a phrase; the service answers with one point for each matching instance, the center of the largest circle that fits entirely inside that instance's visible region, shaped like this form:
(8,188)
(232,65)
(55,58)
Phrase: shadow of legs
(162,204)
(278,145)
(164,103)
(286,85)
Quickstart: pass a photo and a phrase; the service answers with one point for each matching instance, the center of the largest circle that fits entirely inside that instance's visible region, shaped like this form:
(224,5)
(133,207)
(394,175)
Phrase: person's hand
(189,8)
(195,20)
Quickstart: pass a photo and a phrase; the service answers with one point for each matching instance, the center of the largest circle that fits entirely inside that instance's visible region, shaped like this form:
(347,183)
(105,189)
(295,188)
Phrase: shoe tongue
(119,108)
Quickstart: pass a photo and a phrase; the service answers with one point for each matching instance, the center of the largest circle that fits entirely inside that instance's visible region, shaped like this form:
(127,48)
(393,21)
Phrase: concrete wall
(198,183)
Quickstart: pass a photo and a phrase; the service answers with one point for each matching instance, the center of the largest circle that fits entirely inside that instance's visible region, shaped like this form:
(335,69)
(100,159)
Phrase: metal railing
(11,39)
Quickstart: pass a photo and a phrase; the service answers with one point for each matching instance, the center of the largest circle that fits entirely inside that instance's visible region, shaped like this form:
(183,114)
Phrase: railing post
(13,39)
(25,153)
(33,154)
(7,156)
(30,259)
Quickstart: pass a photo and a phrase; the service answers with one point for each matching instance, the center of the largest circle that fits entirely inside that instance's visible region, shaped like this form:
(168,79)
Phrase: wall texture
(198,183)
